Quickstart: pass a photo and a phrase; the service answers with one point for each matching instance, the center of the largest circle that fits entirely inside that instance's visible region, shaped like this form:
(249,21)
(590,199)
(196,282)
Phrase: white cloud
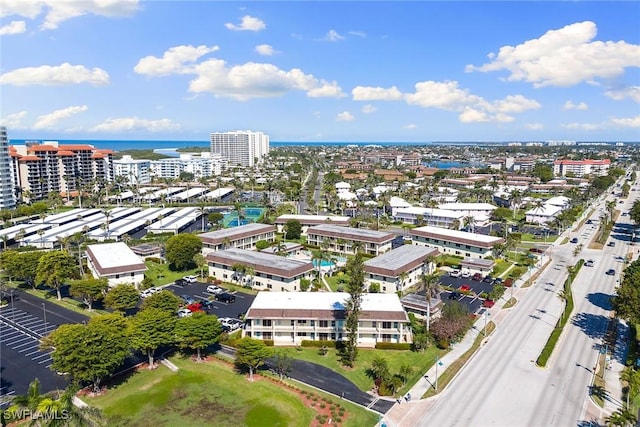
(266,50)
(358,33)
(328,89)
(13,121)
(345,116)
(632,122)
(249,23)
(563,57)
(534,126)
(569,105)
(58,11)
(53,75)
(411,126)
(134,123)
(240,82)
(368,109)
(14,27)
(472,108)
(585,126)
(333,36)
(631,92)
(49,121)
(364,93)
(177,59)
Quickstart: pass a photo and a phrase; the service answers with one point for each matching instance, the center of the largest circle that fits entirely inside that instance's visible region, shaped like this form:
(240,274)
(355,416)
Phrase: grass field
(420,362)
(210,393)
(161,275)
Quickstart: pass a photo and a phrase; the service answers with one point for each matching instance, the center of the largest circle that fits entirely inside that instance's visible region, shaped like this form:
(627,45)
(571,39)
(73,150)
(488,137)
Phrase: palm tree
(4,239)
(430,284)
(402,278)
(469,222)
(632,378)
(515,197)
(621,417)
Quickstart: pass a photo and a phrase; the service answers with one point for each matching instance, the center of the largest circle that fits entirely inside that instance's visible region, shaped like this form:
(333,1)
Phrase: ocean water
(119,145)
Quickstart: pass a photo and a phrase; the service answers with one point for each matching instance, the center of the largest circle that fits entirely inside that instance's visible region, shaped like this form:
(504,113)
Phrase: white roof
(558,201)
(467,206)
(545,210)
(429,212)
(324,301)
(111,255)
(457,234)
(343,184)
(304,218)
(347,195)
(398,202)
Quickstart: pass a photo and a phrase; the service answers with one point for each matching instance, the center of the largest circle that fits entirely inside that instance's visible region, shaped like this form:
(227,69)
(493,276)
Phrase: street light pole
(13,310)
(44,310)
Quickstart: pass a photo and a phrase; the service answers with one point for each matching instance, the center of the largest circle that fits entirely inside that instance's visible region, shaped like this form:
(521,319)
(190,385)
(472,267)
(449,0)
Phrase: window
(302,334)
(133,274)
(333,323)
(293,323)
(323,337)
(267,336)
(313,323)
(374,324)
(117,276)
(302,322)
(386,337)
(324,324)
(266,322)
(269,286)
(386,325)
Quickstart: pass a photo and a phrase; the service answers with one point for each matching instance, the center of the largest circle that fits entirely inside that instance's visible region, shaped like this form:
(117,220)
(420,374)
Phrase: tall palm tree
(430,284)
(515,197)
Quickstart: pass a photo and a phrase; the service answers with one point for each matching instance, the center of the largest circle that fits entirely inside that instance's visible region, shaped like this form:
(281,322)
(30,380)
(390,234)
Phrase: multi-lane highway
(501,385)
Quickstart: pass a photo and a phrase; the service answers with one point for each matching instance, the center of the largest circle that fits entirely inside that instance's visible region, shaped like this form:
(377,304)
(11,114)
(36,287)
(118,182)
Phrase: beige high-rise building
(242,147)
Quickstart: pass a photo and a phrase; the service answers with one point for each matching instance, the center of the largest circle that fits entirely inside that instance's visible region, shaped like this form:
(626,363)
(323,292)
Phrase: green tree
(197,331)
(282,363)
(54,268)
(542,171)
(89,290)
(201,262)
(122,297)
(89,352)
(500,214)
(21,265)
(152,328)
(626,302)
(181,249)
(634,213)
(215,218)
(164,300)
(293,229)
(262,244)
(355,288)
(379,369)
(252,354)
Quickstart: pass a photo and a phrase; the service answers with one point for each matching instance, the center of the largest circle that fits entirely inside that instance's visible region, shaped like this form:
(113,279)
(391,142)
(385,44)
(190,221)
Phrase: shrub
(393,346)
(154,259)
(268,343)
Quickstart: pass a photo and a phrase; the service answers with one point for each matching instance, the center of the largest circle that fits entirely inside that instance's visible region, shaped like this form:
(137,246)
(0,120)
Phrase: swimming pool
(323,263)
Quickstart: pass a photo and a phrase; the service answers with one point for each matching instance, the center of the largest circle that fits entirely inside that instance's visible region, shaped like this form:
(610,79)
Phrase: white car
(455,273)
(230,323)
(184,312)
(466,274)
(148,292)
(190,279)
(213,289)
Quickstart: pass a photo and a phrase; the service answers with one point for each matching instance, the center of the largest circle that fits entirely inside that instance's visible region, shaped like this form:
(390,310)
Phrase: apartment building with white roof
(455,242)
(344,239)
(400,268)
(117,262)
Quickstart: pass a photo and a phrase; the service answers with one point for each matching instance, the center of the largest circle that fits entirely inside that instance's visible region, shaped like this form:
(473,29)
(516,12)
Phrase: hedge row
(320,343)
(393,346)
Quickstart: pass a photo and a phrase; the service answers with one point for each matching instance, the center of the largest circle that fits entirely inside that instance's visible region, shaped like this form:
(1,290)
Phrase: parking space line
(42,355)
(33,352)
(7,337)
(44,361)
(12,344)
(30,322)
(27,348)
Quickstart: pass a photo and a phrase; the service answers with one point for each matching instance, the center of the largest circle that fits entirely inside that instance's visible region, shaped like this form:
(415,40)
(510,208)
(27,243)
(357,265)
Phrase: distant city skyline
(321,71)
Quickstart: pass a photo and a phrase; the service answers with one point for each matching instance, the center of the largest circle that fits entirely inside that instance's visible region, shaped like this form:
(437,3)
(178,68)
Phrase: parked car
(226,297)
(611,243)
(148,292)
(190,279)
(465,274)
(497,280)
(180,282)
(184,312)
(477,277)
(574,240)
(488,303)
(610,272)
(230,323)
(454,295)
(488,279)
(213,289)
(188,299)
(465,288)
(205,304)
(589,263)
(455,273)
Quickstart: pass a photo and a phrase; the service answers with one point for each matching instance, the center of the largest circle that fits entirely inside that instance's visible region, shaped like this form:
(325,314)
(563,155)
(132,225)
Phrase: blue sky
(321,71)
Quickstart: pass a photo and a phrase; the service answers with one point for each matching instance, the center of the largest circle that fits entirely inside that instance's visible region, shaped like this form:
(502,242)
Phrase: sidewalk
(613,400)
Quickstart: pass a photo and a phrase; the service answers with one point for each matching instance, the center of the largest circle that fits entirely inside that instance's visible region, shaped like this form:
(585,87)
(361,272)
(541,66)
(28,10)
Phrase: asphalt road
(199,291)
(501,385)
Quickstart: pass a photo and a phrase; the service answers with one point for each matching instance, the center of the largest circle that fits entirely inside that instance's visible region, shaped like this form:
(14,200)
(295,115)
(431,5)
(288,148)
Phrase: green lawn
(420,362)
(500,267)
(336,280)
(200,394)
(161,275)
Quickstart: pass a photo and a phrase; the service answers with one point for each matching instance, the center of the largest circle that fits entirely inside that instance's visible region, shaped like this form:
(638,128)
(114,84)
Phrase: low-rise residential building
(310,220)
(455,242)
(429,216)
(259,270)
(400,268)
(477,265)
(288,318)
(543,214)
(285,249)
(344,239)
(242,237)
(117,262)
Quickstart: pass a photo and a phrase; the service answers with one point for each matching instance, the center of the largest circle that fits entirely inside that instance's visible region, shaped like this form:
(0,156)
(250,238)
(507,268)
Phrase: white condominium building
(202,166)
(135,171)
(7,195)
(244,148)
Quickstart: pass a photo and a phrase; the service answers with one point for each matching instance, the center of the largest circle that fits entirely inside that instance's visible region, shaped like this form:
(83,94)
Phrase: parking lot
(22,324)
(198,291)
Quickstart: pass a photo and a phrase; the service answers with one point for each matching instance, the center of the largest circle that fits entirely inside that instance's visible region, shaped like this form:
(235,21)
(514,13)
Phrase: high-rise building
(203,166)
(135,171)
(7,190)
(52,167)
(244,148)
